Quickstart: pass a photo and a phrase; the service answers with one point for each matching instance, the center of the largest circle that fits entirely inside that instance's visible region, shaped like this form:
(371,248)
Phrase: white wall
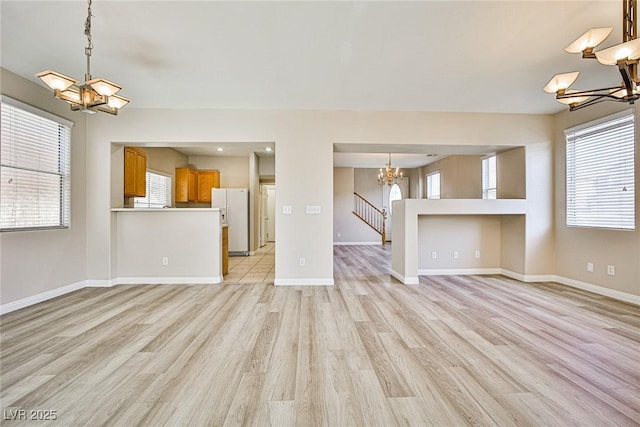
(189,238)
(234,171)
(576,246)
(348,228)
(304,162)
(511,174)
(460,177)
(462,233)
(365,183)
(35,262)
(267,166)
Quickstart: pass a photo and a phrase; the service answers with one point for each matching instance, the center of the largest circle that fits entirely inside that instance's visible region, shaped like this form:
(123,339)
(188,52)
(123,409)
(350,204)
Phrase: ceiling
(403,155)
(453,56)
(230,149)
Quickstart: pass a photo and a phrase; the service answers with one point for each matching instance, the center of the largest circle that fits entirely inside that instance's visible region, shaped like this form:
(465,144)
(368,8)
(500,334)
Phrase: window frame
(427,179)
(62,156)
(593,218)
(488,190)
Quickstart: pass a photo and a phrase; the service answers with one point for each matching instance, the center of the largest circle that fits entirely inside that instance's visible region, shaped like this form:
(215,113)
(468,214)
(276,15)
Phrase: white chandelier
(389,176)
(624,55)
(95,94)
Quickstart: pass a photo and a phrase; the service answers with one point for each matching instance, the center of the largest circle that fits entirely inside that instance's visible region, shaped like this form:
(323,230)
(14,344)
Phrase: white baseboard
(303,282)
(168,280)
(44,296)
(457,271)
(379,243)
(407,280)
(95,283)
(611,293)
(106,283)
(35,299)
(528,277)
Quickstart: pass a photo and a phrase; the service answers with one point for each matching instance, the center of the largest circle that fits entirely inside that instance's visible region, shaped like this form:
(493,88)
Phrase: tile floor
(255,268)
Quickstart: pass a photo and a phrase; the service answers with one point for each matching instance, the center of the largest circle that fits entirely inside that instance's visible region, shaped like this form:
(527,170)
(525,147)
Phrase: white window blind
(489,178)
(158,192)
(35,152)
(600,174)
(433,185)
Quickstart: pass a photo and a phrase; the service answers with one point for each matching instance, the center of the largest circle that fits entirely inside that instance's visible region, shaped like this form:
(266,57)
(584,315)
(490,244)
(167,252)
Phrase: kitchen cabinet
(206,181)
(186,185)
(225,250)
(135,171)
(194,185)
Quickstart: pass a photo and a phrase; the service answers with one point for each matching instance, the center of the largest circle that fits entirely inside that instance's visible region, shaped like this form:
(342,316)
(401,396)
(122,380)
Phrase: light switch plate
(313,209)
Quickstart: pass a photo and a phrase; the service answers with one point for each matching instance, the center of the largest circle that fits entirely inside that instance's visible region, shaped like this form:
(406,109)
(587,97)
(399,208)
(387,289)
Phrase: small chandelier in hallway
(389,176)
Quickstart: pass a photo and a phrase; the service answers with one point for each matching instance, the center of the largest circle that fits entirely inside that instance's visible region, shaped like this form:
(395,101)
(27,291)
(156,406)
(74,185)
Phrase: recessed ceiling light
(220,149)
(269,149)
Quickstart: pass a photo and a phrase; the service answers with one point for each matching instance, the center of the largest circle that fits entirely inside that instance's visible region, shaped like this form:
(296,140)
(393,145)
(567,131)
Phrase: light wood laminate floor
(451,351)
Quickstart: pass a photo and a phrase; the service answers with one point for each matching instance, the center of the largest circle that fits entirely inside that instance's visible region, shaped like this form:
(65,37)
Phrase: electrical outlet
(302,262)
(339,234)
(611,270)
(477,254)
(165,260)
(286,210)
(455,254)
(590,267)
(434,255)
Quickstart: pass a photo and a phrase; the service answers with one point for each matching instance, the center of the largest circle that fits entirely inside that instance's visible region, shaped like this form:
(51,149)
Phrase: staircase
(371,215)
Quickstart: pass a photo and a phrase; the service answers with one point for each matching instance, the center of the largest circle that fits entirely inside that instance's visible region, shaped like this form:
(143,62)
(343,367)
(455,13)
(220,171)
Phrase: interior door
(264,215)
(271,213)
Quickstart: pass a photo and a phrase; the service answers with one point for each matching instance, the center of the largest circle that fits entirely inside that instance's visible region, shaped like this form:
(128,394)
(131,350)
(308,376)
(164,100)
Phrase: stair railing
(372,216)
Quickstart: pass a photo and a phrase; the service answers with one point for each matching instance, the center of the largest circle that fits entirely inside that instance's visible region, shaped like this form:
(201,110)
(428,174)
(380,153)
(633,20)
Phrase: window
(394,194)
(35,177)
(158,191)
(600,173)
(489,186)
(433,185)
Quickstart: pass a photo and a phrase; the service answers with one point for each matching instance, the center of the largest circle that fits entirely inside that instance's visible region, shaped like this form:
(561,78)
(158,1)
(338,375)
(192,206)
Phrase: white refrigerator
(234,204)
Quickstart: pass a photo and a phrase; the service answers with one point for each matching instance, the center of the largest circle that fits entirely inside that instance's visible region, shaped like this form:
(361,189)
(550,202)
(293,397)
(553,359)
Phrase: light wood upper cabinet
(135,170)
(186,181)
(206,181)
(195,186)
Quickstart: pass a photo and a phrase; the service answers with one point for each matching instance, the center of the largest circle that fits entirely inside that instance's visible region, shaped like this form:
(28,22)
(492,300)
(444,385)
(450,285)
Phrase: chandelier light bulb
(589,40)
(561,82)
(629,50)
